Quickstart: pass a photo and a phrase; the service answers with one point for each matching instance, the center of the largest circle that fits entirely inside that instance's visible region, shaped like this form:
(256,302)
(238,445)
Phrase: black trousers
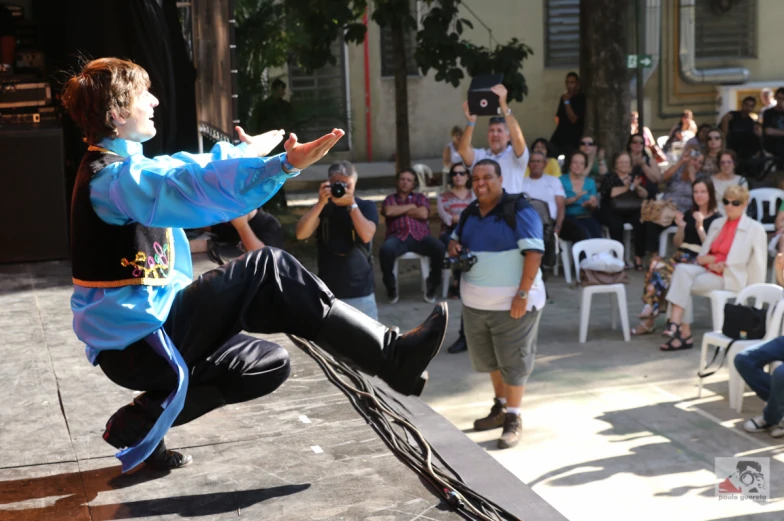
(614,222)
(394,248)
(264,291)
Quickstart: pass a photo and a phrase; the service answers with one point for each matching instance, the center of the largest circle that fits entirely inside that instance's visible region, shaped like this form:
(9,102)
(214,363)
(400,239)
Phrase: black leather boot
(399,360)
(129,425)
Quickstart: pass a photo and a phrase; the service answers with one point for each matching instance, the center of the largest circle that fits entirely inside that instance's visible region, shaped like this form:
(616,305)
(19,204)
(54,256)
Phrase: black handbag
(627,202)
(740,323)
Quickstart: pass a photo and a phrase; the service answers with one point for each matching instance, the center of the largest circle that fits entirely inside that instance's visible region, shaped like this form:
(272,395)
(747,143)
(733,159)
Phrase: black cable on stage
(376,411)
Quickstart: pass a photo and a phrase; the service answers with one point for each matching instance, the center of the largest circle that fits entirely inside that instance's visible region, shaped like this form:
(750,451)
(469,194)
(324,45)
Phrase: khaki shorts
(498,342)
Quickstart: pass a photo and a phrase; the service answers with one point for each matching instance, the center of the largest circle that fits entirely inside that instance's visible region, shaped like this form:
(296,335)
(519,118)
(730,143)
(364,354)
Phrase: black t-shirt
(690,234)
(567,133)
(344,262)
(773,118)
(740,135)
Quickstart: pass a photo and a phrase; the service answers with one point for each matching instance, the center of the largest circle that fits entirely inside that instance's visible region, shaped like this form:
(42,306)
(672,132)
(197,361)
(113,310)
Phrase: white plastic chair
(758,196)
(664,240)
(564,251)
(424,266)
(618,305)
(761,294)
(627,239)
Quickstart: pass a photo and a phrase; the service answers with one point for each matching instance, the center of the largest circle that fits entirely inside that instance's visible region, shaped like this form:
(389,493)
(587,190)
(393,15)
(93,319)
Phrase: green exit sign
(634,61)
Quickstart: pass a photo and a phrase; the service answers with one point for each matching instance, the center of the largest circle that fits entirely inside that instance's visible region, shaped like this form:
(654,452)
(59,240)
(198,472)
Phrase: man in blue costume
(146,323)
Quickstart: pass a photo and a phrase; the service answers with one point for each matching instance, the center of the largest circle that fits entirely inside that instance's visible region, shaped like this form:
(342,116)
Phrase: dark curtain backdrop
(144,31)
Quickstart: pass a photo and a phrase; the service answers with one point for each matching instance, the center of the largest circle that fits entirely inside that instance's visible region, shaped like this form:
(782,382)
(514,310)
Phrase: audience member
(551,168)
(258,229)
(650,142)
(738,126)
(545,188)
(726,175)
(773,126)
(682,131)
(642,165)
(581,201)
(700,141)
(688,240)
(570,117)
(503,295)
(767,100)
(406,215)
(344,228)
(733,256)
(506,141)
(715,145)
(622,195)
(450,155)
(750,364)
(776,246)
(451,204)
(597,165)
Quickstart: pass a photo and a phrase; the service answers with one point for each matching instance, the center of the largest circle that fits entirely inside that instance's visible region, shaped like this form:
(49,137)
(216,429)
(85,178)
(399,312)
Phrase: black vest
(108,256)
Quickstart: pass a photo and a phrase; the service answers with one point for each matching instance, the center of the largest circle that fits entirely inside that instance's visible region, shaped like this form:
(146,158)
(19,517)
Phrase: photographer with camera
(502,292)
(344,226)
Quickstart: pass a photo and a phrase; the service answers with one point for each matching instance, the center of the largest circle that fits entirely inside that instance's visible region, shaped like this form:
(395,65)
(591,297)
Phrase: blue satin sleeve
(185,190)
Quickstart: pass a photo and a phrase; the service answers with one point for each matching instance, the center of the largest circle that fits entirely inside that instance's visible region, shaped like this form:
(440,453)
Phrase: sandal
(642,329)
(668,330)
(649,311)
(684,342)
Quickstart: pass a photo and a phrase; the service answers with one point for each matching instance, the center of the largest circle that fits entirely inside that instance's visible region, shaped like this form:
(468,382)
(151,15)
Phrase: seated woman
(650,142)
(681,131)
(452,203)
(688,239)
(714,146)
(622,196)
(581,201)
(678,178)
(726,175)
(551,168)
(733,256)
(450,156)
(597,165)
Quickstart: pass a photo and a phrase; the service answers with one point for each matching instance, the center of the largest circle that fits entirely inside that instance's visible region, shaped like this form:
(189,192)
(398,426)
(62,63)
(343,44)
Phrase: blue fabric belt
(172,406)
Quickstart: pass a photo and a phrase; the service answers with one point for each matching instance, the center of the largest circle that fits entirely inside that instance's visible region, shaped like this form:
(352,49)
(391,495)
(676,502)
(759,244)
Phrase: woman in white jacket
(733,256)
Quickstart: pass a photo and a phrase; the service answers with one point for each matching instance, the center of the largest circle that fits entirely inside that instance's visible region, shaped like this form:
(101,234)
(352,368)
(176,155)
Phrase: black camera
(338,189)
(463,262)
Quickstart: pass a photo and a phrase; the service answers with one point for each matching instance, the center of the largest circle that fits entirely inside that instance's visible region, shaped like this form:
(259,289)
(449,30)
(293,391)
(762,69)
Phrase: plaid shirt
(404,225)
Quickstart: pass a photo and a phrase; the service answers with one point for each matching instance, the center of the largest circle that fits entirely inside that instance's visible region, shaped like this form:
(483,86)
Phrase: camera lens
(338,189)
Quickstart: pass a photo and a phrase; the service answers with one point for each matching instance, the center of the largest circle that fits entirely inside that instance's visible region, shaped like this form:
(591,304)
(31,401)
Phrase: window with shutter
(387,60)
(319,98)
(729,32)
(562,33)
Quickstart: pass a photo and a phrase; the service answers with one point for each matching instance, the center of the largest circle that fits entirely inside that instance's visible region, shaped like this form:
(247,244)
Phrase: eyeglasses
(587,143)
(714,138)
(459,172)
(727,202)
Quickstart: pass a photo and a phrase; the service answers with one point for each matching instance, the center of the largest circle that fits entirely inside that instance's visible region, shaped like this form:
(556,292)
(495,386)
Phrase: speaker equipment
(481,101)
(33,215)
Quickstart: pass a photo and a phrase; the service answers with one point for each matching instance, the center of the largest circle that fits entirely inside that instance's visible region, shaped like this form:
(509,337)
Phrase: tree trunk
(403,148)
(604,76)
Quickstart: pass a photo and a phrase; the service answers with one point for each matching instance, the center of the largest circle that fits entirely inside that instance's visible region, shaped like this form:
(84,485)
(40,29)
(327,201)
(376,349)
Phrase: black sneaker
(459,346)
(392,296)
(430,293)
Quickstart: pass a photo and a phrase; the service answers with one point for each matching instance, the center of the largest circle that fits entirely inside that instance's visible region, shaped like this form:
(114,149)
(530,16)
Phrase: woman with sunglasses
(451,204)
(733,256)
(551,168)
(713,148)
(597,165)
(642,165)
(682,131)
(726,175)
(650,142)
(688,240)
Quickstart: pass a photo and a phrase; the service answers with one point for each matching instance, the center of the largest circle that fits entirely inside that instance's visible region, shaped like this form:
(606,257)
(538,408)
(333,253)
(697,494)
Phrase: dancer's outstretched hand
(302,155)
(262,144)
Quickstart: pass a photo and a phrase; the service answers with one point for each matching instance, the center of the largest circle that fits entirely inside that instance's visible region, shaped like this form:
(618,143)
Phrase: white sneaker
(778,430)
(758,424)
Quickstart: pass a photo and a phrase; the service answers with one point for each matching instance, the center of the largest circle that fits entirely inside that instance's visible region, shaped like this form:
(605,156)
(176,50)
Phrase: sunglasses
(587,143)
(727,202)
(459,172)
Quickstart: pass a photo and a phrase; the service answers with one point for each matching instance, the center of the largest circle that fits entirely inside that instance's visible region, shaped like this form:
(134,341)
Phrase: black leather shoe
(459,346)
(370,346)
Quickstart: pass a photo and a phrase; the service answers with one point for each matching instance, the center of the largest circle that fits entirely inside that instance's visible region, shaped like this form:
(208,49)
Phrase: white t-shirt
(546,188)
(512,167)
(454,156)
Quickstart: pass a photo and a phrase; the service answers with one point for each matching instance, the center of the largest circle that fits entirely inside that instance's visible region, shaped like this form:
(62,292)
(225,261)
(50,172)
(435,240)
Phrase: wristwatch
(351,208)
(522,294)
(508,111)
